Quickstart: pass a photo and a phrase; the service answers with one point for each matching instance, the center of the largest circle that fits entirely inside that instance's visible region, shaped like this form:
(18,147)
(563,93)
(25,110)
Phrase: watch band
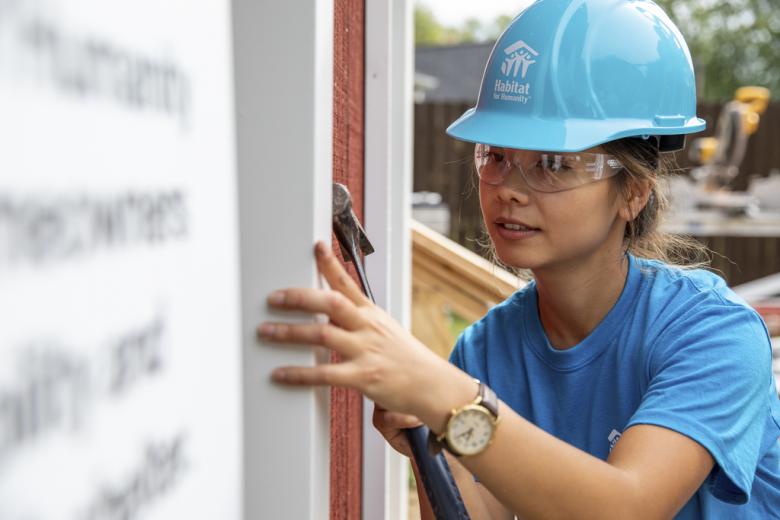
(486,398)
(489,399)
(435,446)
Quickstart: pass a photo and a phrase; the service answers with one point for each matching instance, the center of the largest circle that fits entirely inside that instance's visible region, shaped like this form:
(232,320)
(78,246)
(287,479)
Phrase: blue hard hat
(569,75)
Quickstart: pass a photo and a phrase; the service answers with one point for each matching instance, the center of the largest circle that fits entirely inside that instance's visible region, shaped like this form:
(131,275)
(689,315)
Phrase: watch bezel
(492,421)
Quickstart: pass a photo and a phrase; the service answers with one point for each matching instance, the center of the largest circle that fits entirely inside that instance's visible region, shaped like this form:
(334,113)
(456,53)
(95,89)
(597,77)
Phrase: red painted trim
(346,420)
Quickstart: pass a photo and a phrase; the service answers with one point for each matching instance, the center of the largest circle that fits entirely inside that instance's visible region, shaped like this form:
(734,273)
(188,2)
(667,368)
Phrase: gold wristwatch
(470,428)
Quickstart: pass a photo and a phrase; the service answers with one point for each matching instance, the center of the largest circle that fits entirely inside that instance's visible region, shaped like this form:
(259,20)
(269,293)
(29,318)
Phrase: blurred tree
(499,24)
(470,31)
(429,31)
(732,43)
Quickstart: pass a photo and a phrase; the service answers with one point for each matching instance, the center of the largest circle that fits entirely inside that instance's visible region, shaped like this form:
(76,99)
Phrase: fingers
(312,334)
(337,276)
(392,425)
(384,420)
(333,303)
(401,421)
(321,375)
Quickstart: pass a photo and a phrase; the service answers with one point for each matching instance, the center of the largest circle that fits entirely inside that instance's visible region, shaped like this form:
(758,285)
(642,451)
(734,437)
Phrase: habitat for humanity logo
(518,57)
(614,436)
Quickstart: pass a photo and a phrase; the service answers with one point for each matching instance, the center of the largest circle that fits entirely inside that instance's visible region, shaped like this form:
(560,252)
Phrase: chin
(518,256)
(519,261)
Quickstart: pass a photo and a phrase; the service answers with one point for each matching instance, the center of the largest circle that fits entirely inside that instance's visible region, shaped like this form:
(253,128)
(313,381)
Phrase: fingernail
(266,329)
(278,375)
(276,298)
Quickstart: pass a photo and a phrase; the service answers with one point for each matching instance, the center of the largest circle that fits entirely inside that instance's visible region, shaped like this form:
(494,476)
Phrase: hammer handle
(439,484)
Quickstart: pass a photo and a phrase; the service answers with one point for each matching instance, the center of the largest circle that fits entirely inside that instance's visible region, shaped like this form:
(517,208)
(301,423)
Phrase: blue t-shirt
(679,349)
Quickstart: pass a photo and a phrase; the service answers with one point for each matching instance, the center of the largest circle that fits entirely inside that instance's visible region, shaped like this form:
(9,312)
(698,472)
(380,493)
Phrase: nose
(514,189)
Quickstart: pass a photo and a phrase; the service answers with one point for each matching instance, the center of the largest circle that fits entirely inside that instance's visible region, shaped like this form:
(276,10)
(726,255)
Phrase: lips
(515,225)
(515,231)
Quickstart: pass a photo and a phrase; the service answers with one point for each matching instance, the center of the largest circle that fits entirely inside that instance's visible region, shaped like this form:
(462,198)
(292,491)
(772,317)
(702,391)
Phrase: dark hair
(644,237)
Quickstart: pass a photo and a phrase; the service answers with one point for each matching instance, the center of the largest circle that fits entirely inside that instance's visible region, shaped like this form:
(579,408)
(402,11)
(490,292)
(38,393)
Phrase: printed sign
(119,348)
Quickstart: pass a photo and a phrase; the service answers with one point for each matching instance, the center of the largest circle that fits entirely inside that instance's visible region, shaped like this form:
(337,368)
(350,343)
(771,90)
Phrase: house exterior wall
(348,142)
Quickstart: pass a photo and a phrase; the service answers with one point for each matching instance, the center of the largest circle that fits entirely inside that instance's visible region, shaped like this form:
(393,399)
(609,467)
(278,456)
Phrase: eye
(554,164)
(490,156)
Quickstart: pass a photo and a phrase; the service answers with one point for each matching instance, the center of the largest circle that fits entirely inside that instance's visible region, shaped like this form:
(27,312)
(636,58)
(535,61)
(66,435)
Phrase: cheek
(577,216)
(486,195)
(491,206)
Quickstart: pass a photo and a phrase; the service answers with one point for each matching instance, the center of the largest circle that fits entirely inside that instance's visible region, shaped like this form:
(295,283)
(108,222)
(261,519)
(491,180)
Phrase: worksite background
(444,165)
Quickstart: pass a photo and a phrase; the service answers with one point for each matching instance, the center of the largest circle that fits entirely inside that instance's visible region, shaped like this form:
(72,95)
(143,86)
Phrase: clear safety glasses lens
(543,171)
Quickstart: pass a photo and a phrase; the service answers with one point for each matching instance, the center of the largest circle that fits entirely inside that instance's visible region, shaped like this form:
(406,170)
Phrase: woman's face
(556,229)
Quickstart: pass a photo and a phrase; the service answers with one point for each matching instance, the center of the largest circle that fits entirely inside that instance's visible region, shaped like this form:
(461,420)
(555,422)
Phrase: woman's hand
(380,359)
(391,425)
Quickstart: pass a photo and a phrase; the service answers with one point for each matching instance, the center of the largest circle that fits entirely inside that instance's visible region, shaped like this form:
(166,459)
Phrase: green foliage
(732,44)
(429,31)
(500,23)
(457,324)
(469,32)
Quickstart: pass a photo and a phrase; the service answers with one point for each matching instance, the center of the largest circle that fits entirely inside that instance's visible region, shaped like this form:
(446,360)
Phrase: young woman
(627,387)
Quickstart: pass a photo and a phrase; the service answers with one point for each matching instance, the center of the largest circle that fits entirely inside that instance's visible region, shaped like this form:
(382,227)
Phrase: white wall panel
(283,71)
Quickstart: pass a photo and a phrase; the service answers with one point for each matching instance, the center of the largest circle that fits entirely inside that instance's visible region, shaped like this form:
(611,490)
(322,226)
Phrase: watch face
(470,430)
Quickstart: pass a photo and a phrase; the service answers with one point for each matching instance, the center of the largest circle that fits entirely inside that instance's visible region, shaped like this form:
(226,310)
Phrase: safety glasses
(543,171)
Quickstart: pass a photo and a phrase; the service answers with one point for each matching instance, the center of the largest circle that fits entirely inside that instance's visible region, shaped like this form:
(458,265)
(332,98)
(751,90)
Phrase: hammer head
(346,224)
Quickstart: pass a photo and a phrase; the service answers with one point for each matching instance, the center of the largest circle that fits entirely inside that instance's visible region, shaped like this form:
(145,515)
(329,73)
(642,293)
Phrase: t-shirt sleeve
(709,378)
(457,359)
(456,356)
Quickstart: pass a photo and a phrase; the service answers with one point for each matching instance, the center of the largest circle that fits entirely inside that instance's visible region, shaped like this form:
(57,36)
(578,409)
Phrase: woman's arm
(392,425)
(485,504)
(651,472)
(480,504)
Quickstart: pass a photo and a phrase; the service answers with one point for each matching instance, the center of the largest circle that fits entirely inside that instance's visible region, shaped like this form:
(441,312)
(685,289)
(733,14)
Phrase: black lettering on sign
(40,229)
(52,389)
(56,388)
(89,66)
(160,469)
(135,355)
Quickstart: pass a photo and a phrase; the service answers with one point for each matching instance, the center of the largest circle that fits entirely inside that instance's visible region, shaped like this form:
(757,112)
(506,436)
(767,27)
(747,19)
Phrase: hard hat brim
(570,135)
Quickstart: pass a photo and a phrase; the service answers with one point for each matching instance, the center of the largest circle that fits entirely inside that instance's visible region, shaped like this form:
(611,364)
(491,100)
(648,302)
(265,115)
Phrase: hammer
(350,234)
(440,486)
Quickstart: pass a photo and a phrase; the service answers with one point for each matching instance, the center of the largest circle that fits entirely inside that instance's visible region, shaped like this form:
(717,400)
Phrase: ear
(638,195)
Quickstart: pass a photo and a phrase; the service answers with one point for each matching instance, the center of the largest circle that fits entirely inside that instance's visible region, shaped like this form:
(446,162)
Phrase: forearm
(532,472)
(539,476)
